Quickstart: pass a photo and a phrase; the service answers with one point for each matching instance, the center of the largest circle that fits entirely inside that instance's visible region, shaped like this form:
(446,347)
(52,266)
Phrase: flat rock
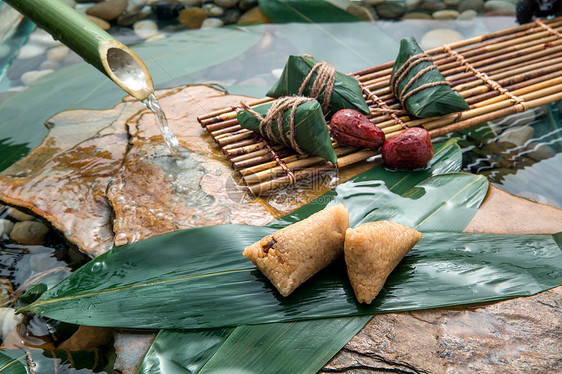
(29,232)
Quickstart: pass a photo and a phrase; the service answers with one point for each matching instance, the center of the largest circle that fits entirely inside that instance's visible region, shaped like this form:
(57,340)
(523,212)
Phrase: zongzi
(297,122)
(303,75)
(420,87)
(372,251)
(292,255)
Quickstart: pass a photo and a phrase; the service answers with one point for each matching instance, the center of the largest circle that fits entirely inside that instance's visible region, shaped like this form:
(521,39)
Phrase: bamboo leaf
(194,269)
(12,364)
(309,11)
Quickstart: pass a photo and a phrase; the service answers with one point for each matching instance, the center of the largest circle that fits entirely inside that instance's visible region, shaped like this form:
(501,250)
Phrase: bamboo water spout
(94,45)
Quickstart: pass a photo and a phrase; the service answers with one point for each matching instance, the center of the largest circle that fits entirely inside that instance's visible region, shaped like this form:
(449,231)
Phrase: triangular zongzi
(345,91)
(419,85)
(302,128)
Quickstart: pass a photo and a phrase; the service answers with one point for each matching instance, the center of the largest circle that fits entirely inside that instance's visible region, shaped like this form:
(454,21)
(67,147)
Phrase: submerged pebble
(29,232)
(5,227)
(18,215)
(28,78)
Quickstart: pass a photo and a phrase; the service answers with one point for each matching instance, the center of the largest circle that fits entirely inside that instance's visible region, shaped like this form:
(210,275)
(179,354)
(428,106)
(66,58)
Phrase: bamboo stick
(94,45)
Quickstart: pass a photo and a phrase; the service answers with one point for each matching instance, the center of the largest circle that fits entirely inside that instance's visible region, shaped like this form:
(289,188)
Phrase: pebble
(447,14)
(5,296)
(211,23)
(416,15)
(58,53)
(517,119)
(30,50)
(50,65)
(539,151)
(213,10)
(108,10)
(101,23)
(9,320)
(29,232)
(373,2)
(476,5)
(254,15)
(391,9)
(166,10)
(156,37)
(4,50)
(433,5)
(134,6)
(499,6)
(18,215)
(129,19)
(412,4)
(5,227)
(41,36)
(226,3)
(231,16)
(363,12)
(146,29)
(437,37)
(29,78)
(517,136)
(191,2)
(468,15)
(249,4)
(192,18)
(452,3)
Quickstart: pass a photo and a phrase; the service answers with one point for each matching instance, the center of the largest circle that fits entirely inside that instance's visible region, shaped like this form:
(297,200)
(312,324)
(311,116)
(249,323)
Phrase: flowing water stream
(169,138)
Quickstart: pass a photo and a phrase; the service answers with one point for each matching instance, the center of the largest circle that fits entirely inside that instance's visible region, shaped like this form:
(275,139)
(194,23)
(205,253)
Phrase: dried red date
(411,149)
(349,127)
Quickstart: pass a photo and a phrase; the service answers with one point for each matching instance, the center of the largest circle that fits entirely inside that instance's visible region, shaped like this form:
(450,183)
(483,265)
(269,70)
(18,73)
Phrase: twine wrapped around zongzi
(295,121)
(324,82)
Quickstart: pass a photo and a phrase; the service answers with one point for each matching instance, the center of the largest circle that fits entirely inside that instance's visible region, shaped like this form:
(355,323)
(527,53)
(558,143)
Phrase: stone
(29,232)
(476,5)
(5,294)
(57,53)
(211,23)
(245,5)
(416,15)
(191,2)
(40,36)
(108,10)
(8,321)
(468,15)
(29,51)
(517,136)
(253,16)
(30,77)
(50,65)
(540,151)
(146,29)
(4,50)
(499,6)
(213,10)
(391,9)
(129,19)
(226,3)
(18,215)
(192,18)
(373,2)
(517,119)
(412,4)
(433,5)
(156,37)
(437,37)
(363,12)
(446,14)
(5,227)
(231,16)
(134,6)
(165,10)
(452,3)
(101,23)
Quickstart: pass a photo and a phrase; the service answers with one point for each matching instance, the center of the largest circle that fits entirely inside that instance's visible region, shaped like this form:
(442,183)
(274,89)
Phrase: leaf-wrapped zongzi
(316,78)
(297,122)
(419,85)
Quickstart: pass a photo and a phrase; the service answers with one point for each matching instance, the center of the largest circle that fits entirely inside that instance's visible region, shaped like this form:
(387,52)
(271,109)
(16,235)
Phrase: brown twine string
(275,114)
(382,105)
(325,80)
(403,71)
(547,28)
(484,77)
(280,162)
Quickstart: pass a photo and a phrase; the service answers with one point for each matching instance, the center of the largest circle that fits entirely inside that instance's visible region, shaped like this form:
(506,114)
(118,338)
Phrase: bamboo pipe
(94,45)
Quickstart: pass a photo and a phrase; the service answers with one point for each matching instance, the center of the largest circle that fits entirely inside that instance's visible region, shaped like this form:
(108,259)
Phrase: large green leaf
(13,364)
(82,86)
(36,361)
(309,11)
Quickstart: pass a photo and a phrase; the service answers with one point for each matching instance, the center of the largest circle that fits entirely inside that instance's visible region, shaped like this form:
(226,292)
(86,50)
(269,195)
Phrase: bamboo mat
(498,74)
